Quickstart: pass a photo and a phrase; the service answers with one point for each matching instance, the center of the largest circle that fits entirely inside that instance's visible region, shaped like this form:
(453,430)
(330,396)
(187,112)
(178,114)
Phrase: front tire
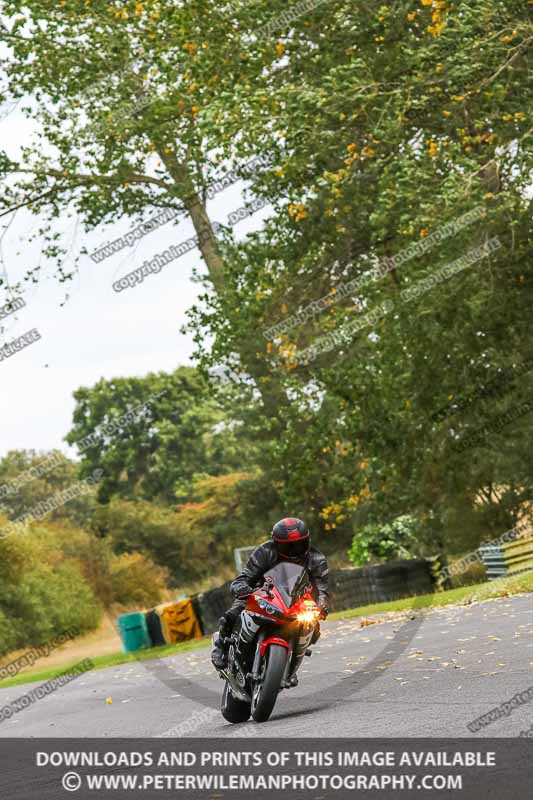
(265,696)
(234,710)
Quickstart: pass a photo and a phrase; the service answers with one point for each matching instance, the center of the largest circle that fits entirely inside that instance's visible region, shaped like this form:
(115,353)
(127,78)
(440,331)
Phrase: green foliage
(196,539)
(46,595)
(136,581)
(152,434)
(57,578)
(474,574)
(382,124)
(388,137)
(28,477)
(376,543)
(52,600)
(9,636)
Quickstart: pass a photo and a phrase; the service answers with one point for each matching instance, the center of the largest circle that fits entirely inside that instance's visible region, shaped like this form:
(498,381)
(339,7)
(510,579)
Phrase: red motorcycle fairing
(259,599)
(272,640)
(280,613)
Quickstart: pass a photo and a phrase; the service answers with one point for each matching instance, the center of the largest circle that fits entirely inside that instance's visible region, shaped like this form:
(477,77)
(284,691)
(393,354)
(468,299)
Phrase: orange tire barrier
(179,622)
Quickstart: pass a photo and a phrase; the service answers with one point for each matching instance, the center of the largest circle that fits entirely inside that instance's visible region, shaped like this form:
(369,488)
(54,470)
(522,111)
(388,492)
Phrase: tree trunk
(272,392)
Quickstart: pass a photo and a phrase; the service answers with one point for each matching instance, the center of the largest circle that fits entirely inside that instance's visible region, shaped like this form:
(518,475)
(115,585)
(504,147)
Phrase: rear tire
(265,699)
(234,710)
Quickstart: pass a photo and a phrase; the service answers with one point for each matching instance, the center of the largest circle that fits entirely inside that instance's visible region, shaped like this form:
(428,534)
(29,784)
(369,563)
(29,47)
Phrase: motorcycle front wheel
(266,692)
(233,710)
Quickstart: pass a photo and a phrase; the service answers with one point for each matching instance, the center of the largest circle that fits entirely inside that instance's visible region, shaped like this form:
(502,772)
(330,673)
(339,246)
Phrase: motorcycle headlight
(268,607)
(308,617)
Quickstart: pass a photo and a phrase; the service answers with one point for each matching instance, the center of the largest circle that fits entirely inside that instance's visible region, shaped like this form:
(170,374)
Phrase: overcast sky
(98,333)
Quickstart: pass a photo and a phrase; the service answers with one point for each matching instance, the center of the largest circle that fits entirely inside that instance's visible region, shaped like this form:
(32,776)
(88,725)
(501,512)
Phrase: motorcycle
(273,636)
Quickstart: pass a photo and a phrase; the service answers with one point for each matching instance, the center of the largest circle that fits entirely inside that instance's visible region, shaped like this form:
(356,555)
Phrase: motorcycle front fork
(294,659)
(258,662)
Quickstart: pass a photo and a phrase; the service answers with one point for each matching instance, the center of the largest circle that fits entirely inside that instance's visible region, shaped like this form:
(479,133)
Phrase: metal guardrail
(507,559)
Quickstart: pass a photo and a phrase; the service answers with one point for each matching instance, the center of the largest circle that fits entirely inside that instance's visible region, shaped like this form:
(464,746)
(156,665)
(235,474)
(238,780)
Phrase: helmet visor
(296,549)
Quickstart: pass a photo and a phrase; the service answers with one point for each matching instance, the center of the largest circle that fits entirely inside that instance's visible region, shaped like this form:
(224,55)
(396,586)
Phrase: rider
(289,541)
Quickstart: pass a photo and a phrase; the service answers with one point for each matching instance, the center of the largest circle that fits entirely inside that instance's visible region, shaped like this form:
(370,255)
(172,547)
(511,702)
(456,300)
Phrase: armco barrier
(349,588)
(507,559)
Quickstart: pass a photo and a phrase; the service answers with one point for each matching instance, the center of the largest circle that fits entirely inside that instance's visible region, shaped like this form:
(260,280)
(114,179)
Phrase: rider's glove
(324,611)
(241,590)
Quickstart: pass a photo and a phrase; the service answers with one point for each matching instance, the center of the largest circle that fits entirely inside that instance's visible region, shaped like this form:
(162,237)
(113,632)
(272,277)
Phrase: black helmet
(291,537)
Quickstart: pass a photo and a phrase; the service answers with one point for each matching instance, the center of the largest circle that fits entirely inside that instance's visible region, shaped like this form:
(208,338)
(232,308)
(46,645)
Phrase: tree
(194,540)
(383,124)
(125,104)
(394,122)
(29,479)
(152,435)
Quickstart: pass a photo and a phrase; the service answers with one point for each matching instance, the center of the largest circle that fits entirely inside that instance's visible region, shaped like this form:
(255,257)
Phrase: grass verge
(113,660)
(503,587)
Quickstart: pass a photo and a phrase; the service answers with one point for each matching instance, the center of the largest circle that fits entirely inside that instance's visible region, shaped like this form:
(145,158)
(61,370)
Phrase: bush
(92,555)
(194,540)
(50,601)
(8,633)
(136,580)
(375,543)
(43,591)
(475,573)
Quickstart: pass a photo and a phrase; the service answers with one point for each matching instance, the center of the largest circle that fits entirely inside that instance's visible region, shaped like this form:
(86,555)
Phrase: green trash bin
(133,631)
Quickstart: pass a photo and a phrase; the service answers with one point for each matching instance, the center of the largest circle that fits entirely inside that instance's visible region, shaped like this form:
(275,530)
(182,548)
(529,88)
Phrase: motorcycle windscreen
(289,579)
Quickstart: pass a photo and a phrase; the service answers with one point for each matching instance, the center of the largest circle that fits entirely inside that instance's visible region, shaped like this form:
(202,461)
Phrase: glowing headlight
(308,617)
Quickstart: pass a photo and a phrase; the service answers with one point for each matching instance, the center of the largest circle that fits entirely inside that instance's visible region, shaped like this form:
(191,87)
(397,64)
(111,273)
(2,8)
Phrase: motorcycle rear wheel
(234,710)
(265,696)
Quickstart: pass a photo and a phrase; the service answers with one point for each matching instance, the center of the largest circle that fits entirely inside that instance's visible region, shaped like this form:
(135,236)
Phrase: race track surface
(422,675)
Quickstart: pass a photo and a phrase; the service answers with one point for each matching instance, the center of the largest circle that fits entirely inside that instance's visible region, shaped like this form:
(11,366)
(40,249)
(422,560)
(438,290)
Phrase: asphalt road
(426,674)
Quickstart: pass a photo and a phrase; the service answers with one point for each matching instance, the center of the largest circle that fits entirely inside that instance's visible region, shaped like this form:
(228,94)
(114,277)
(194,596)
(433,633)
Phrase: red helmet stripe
(290,522)
(294,536)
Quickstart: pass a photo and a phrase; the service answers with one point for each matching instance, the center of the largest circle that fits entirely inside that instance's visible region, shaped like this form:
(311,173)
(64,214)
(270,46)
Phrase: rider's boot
(219,656)
(316,634)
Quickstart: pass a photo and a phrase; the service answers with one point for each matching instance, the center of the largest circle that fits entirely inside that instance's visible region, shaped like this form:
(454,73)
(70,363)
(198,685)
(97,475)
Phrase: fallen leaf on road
(364,623)
(109,701)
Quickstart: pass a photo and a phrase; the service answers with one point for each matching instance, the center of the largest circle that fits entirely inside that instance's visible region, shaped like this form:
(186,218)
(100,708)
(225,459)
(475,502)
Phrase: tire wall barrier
(212,605)
(179,622)
(165,624)
(348,588)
